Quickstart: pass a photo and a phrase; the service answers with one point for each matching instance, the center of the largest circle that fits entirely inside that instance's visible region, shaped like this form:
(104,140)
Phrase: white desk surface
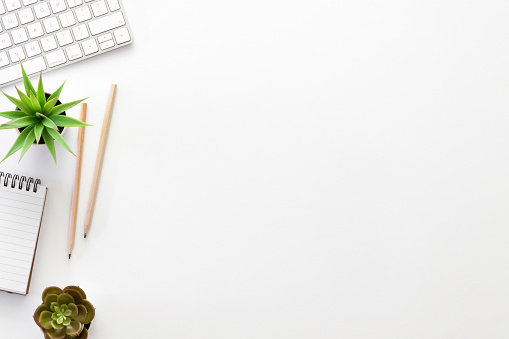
(288,169)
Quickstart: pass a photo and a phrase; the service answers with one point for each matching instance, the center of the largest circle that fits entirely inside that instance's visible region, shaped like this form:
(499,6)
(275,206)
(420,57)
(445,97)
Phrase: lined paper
(20,221)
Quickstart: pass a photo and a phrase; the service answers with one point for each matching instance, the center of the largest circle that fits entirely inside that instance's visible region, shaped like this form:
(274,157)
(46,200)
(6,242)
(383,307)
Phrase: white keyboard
(48,34)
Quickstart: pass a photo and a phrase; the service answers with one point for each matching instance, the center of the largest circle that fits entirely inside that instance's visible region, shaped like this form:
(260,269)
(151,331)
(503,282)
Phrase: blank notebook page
(20,221)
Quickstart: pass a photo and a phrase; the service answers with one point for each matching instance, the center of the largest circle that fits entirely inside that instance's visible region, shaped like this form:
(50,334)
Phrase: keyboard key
(67,19)
(17,54)
(104,37)
(48,43)
(58,6)
(29,2)
(74,3)
(42,10)
(106,23)
(56,58)
(51,25)
(80,32)
(31,67)
(99,8)
(2,8)
(5,41)
(113,5)
(83,13)
(107,44)
(64,38)
(122,36)
(33,48)
(4,61)
(10,21)
(12,5)
(73,52)
(26,15)
(90,46)
(35,30)
(19,35)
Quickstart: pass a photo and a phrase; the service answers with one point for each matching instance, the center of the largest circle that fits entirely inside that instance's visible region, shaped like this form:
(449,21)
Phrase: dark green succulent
(64,313)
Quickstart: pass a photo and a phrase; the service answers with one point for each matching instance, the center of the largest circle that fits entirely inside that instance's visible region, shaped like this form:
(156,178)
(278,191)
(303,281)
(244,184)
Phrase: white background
(288,169)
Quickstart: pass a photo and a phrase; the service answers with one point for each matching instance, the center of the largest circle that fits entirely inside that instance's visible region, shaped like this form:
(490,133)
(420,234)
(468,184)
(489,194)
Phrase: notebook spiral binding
(22,179)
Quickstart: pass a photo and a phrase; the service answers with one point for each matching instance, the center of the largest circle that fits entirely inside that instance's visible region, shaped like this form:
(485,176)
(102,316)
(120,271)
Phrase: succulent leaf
(18,144)
(39,310)
(13,114)
(29,141)
(50,299)
(77,293)
(47,122)
(65,121)
(65,298)
(19,123)
(50,144)
(59,139)
(56,94)
(28,85)
(73,311)
(55,306)
(26,102)
(83,334)
(41,95)
(35,103)
(45,319)
(57,324)
(51,290)
(56,333)
(73,329)
(49,105)
(82,314)
(38,131)
(19,104)
(90,311)
(64,107)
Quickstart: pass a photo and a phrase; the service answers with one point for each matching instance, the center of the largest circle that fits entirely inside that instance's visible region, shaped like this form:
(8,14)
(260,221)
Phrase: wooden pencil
(100,158)
(77,179)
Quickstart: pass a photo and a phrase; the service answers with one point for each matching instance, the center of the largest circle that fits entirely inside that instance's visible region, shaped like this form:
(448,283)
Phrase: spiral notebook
(21,207)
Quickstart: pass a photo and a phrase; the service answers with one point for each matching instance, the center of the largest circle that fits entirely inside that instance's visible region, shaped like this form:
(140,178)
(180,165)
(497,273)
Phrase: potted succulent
(39,117)
(64,314)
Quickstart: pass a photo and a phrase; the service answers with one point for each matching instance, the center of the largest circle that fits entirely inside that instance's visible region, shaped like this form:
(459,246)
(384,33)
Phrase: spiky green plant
(64,313)
(37,116)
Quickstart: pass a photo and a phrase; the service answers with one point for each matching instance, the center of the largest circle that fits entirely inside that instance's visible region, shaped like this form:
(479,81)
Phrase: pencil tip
(69,256)
(85,235)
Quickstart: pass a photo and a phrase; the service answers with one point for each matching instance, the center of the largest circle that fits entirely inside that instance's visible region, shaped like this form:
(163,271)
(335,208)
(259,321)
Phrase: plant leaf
(25,99)
(35,102)
(64,121)
(38,131)
(19,142)
(41,96)
(29,141)
(59,139)
(50,143)
(20,122)
(13,114)
(49,105)
(64,107)
(49,123)
(56,94)
(28,85)
(19,104)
